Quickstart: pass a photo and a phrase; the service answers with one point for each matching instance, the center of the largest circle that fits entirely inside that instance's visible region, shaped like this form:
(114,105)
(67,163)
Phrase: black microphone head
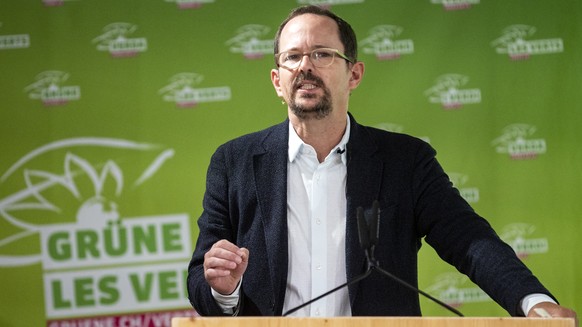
(363,231)
(375,223)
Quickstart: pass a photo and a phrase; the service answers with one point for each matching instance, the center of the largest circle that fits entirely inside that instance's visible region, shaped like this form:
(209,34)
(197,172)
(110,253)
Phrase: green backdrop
(111,110)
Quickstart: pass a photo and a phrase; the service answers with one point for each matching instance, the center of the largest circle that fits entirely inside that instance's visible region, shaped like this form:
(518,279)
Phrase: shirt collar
(295,143)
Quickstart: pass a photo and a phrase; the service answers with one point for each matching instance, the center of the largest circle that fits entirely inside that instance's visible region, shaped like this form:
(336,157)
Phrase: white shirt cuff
(529,301)
(228,302)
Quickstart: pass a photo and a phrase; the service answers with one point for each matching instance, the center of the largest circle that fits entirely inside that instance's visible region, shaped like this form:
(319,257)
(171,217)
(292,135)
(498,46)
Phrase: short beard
(321,110)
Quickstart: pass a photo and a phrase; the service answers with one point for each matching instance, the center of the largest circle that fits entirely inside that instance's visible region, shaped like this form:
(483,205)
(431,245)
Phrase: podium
(370,322)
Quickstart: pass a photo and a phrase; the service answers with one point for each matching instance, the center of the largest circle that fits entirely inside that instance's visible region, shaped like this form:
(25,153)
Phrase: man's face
(313,92)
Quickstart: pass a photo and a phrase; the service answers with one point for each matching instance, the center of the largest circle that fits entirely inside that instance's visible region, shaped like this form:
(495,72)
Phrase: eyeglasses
(322,57)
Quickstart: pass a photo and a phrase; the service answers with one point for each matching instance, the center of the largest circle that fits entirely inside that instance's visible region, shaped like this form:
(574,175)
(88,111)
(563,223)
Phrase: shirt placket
(318,208)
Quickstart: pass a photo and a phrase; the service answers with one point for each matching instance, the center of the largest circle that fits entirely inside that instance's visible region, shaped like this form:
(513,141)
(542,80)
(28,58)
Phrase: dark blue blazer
(246,203)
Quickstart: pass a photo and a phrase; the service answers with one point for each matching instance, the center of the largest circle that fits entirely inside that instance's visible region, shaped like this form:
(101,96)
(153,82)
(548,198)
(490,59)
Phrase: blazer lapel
(364,177)
(270,172)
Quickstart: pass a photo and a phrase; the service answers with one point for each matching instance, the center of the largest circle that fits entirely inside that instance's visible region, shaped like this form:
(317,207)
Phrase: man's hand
(553,310)
(224,265)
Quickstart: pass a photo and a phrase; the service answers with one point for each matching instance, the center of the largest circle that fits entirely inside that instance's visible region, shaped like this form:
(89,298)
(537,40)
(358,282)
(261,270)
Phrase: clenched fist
(224,265)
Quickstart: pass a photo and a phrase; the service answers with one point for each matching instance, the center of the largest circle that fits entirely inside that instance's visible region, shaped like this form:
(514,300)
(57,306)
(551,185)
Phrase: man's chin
(308,103)
(309,112)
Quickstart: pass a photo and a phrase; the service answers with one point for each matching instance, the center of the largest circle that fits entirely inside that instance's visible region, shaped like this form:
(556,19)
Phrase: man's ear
(357,74)
(275,79)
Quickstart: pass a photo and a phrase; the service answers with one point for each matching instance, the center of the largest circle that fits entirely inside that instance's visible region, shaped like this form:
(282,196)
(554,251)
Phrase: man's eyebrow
(291,49)
(315,47)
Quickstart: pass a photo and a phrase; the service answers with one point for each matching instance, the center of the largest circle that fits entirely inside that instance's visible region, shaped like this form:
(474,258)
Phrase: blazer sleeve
(214,225)
(464,239)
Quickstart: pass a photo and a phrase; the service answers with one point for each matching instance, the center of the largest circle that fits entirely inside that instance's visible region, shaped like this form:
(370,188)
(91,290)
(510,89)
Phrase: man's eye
(292,57)
(323,54)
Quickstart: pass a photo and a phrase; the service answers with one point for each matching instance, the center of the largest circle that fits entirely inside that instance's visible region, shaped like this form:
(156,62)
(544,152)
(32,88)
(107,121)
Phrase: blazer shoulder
(257,141)
(390,142)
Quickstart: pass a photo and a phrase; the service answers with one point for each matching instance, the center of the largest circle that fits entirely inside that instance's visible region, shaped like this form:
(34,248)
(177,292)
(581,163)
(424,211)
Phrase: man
(279,227)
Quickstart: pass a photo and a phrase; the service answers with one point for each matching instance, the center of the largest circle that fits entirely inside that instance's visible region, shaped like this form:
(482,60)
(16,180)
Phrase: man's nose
(305,63)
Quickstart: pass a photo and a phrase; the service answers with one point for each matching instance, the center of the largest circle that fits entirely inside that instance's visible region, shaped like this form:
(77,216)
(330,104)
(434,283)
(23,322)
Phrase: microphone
(375,223)
(363,232)
(374,229)
(368,233)
(340,151)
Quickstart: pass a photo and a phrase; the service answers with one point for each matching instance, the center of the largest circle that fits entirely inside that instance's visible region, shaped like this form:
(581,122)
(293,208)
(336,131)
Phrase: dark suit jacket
(246,203)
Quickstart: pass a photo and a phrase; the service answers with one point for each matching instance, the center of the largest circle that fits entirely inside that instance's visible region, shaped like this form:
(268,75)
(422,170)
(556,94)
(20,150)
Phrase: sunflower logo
(75,185)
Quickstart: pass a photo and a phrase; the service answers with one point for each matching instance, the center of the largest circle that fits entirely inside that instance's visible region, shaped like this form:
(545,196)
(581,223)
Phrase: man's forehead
(320,31)
(309,21)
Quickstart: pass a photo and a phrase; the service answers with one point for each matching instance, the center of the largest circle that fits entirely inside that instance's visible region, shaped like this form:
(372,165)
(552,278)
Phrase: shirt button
(318,267)
(318,221)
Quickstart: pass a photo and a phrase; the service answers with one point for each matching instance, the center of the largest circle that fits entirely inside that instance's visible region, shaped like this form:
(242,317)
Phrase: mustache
(307,76)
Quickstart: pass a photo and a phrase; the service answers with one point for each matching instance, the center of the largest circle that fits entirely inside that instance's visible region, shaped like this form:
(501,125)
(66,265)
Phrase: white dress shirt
(316,221)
